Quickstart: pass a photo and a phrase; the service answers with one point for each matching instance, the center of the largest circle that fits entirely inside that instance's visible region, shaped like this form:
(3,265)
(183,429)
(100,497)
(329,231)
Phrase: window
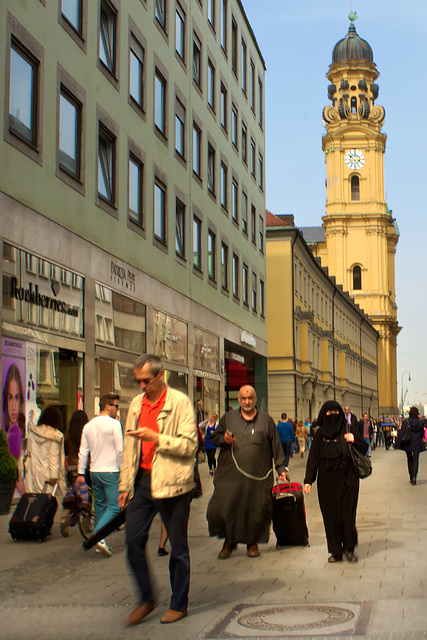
(197,243)
(211,169)
(245,285)
(253,155)
(244,213)
(107,36)
(160,13)
(160,102)
(136,72)
(235,201)
(196,150)
(72,11)
(211,255)
(23,98)
(262,298)
(235,275)
(224,266)
(160,211)
(234,121)
(135,189)
(106,164)
(260,171)
(223,106)
(179,128)
(260,102)
(224,185)
(253,224)
(224,24)
(355,188)
(69,133)
(211,12)
(244,67)
(357,278)
(197,56)
(261,233)
(179,228)
(244,144)
(234,46)
(252,86)
(180,32)
(254,292)
(211,84)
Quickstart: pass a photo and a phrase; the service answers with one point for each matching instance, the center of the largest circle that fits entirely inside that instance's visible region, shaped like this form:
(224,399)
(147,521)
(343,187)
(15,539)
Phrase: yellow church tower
(360,232)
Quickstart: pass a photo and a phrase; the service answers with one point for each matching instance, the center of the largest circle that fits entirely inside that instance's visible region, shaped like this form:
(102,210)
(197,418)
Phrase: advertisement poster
(13,395)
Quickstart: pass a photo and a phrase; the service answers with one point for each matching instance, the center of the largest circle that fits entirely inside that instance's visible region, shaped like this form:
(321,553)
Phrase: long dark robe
(338,491)
(240,508)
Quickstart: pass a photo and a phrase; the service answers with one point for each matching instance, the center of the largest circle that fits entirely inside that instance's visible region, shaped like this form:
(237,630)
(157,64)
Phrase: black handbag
(362,463)
(406,438)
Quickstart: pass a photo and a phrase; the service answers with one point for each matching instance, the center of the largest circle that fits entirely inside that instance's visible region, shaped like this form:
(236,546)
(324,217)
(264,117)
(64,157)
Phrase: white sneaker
(102,547)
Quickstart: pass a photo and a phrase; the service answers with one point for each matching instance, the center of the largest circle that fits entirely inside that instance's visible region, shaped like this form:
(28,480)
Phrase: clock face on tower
(354,159)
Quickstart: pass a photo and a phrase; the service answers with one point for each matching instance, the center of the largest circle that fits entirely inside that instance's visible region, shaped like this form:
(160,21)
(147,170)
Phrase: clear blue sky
(296,40)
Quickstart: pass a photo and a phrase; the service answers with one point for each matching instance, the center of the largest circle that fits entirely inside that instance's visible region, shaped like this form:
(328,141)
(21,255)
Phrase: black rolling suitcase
(289,523)
(33,516)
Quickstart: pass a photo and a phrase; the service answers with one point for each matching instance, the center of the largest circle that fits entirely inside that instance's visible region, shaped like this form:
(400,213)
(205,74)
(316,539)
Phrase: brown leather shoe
(139,613)
(226,551)
(253,551)
(173,616)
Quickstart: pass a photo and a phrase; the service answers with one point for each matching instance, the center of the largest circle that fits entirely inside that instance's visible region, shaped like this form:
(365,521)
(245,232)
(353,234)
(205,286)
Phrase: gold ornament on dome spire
(352,16)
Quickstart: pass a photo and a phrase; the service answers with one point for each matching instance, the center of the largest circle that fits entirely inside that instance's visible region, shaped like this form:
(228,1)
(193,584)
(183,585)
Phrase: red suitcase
(289,522)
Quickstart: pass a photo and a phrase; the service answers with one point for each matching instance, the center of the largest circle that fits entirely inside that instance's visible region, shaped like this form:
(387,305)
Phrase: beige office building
(132,202)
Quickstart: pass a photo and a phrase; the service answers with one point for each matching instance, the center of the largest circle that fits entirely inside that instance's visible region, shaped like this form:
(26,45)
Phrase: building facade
(322,346)
(132,199)
(360,232)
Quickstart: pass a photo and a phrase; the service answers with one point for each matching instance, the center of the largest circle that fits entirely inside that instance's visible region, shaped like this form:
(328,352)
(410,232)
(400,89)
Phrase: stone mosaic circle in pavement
(294,620)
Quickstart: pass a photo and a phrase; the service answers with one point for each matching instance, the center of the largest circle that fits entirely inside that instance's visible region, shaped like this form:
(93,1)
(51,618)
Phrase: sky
(296,40)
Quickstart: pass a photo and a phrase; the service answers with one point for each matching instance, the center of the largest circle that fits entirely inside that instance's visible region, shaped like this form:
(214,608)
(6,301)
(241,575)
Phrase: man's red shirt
(148,418)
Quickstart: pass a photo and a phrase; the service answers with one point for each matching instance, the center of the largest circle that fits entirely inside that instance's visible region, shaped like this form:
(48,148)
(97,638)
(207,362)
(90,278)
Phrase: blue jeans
(175,512)
(368,442)
(287,448)
(105,485)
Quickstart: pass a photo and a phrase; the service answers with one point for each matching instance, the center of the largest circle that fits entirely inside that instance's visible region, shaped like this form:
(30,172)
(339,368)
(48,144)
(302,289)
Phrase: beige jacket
(46,459)
(173,463)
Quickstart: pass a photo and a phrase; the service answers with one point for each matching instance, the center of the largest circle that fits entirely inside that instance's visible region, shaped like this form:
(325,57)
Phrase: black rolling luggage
(289,523)
(33,516)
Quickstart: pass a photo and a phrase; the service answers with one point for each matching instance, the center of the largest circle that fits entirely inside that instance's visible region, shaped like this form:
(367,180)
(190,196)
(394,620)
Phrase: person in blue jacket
(416,444)
(287,436)
(209,447)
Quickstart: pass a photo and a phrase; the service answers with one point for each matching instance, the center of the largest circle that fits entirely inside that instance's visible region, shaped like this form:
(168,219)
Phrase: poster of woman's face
(13,393)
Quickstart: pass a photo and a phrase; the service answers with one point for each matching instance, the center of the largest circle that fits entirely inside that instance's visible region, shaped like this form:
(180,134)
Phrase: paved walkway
(54,590)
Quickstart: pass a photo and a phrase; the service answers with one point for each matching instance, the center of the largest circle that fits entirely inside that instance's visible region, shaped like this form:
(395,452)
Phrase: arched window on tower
(355,188)
(357,278)
(354,105)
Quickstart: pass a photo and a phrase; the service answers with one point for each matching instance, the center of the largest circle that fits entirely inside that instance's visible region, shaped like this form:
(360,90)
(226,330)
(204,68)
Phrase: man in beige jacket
(157,475)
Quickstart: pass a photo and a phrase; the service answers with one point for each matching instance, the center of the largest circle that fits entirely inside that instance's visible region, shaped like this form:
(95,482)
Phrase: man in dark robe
(241,506)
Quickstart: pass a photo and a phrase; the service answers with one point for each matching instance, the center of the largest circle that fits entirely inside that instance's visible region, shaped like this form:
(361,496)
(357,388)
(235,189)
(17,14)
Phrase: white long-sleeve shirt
(102,438)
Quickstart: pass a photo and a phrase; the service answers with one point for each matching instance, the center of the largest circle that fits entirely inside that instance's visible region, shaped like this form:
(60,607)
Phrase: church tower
(360,232)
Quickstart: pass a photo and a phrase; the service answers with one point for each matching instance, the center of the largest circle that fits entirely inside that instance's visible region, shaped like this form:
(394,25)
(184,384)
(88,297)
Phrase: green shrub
(8,466)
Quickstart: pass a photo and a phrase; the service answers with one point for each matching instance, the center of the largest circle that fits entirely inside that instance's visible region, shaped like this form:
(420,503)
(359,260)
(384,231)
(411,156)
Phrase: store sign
(122,276)
(205,374)
(247,338)
(32,295)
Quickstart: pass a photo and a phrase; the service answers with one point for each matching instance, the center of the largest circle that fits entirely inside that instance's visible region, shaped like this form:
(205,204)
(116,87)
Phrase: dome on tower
(352,47)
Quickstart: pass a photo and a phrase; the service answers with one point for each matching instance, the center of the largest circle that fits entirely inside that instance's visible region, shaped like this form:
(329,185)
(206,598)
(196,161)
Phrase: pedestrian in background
(102,439)
(416,444)
(301,434)
(330,463)
(287,437)
(366,431)
(210,448)
(157,475)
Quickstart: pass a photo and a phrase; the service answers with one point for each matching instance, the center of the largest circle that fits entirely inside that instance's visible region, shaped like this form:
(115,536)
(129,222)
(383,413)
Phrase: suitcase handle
(284,494)
(54,488)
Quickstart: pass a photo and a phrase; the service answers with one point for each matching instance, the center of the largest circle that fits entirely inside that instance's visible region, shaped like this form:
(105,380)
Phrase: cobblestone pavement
(56,590)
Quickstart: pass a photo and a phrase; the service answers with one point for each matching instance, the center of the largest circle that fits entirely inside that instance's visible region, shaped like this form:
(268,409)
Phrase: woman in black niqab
(337,481)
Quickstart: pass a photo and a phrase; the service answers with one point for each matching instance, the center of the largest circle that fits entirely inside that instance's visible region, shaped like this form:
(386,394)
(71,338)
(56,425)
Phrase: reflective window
(136,72)
(106,160)
(135,189)
(180,32)
(160,103)
(160,211)
(72,11)
(197,243)
(179,228)
(69,133)
(107,44)
(23,94)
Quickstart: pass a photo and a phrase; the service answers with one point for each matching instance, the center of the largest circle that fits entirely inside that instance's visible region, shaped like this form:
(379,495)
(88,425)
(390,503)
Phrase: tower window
(357,278)
(355,188)
(354,105)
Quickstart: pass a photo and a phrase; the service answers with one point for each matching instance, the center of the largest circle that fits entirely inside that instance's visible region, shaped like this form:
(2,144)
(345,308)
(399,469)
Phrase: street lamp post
(401,386)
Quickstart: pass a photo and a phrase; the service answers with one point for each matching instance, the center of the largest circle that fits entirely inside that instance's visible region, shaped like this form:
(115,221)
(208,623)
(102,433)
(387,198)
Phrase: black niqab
(332,426)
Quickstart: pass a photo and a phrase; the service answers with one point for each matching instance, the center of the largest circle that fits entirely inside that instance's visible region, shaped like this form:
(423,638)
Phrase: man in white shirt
(102,438)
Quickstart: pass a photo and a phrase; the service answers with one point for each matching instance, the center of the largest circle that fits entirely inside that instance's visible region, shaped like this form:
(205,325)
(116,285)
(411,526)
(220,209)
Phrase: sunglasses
(114,405)
(143,380)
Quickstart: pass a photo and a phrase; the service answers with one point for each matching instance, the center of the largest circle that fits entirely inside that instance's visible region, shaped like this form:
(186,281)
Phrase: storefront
(244,366)
(42,336)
